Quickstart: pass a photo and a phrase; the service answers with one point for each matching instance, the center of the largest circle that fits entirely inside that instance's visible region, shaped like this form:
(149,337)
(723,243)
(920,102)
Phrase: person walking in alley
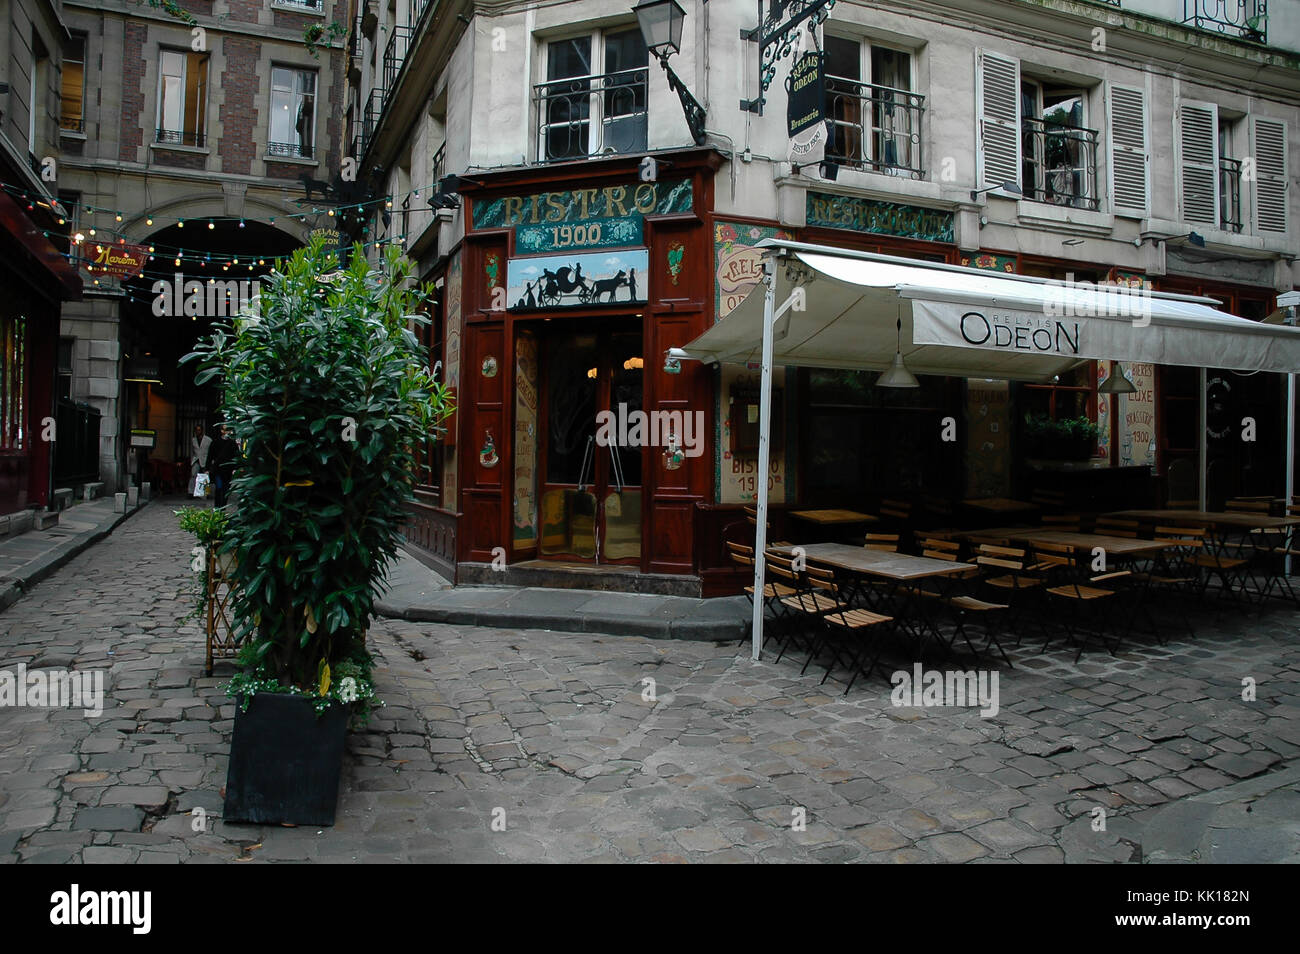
(200,448)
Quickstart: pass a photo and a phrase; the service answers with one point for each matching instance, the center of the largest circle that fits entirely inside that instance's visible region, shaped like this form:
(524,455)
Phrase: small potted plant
(327,390)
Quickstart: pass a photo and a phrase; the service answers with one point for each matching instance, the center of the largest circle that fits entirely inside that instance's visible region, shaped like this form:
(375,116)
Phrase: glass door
(591,475)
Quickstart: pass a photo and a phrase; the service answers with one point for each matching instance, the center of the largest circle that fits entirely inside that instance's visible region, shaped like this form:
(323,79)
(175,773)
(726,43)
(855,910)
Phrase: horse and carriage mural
(557,281)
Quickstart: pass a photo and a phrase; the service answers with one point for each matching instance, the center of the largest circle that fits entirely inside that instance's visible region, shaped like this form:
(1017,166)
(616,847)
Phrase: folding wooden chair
(1212,561)
(887,542)
(1013,581)
(841,621)
(965,607)
(1117,527)
(751,517)
(1079,594)
(773,590)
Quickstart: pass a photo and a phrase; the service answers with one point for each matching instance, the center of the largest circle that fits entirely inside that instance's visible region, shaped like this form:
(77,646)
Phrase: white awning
(976,323)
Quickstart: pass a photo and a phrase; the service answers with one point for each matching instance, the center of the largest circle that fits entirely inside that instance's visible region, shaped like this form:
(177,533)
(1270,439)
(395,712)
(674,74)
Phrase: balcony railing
(1247,19)
(72,125)
(305,4)
(178,137)
(1230,195)
(1059,164)
(294,150)
(439,165)
(591,115)
(370,119)
(874,128)
(394,53)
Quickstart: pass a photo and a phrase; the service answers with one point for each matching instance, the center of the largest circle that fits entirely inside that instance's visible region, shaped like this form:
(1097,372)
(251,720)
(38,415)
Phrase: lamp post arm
(695,113)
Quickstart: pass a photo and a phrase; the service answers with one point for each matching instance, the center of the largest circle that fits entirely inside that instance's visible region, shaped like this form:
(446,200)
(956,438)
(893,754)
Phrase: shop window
(13,382)
(875,116)
(594,99)
(1072,395)
(182,98)
(860,443)
(293,113)
(72,108)
(64,368)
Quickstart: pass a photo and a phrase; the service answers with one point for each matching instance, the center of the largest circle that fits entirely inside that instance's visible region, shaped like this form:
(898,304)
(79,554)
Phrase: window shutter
(1268,147)
(1128,149)
(1198,162)
(997,107)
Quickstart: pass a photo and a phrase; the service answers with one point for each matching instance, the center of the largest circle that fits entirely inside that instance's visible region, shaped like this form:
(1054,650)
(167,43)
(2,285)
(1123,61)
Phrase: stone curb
(700,630)
(13,587)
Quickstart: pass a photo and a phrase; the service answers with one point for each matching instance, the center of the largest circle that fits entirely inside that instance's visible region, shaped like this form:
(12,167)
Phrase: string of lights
(335,211)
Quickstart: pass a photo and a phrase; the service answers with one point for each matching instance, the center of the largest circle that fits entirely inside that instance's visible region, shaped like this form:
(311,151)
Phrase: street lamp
(661,28)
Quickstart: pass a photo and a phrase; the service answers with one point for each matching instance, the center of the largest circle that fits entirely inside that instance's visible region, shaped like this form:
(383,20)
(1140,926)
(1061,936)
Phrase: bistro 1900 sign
(606,217)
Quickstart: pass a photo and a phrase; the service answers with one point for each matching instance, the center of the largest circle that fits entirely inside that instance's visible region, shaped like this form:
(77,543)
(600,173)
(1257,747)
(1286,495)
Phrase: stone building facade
(172,125)
(1147,142)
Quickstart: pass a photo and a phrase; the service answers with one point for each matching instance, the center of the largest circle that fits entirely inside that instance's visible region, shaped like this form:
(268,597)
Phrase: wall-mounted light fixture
(661,28)
(1007,186)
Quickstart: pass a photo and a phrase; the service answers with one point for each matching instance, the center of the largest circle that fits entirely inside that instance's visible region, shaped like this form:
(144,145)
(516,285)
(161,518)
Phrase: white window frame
(201,125)
(596,118)
(298,72)
(867,77)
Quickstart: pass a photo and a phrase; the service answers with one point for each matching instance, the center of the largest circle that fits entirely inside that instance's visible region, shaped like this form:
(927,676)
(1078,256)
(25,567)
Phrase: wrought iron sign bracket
(776,33)
(695,113)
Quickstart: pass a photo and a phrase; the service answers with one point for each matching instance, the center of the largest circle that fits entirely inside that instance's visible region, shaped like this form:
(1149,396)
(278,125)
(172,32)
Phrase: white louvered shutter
(1268,147)
(997,108)
(1198,162)
(1128,149)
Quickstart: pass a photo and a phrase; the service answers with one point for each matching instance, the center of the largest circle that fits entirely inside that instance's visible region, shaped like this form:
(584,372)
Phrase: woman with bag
(200,446)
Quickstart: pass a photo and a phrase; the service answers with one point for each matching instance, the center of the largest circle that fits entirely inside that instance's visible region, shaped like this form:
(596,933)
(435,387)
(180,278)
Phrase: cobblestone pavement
(550,734)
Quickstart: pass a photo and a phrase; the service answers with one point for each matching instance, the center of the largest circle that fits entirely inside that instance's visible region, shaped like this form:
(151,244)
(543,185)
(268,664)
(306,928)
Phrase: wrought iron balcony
(68,123)
(394,53)
(591,115)
(370,119)
(179,137)
(1230,194)
(1059,164)
(294,150)
(439,165)
(1247,19)
(874,128)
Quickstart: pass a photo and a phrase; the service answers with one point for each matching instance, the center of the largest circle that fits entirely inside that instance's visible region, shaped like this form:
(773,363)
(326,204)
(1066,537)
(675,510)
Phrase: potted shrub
(327,391)
(1066,439)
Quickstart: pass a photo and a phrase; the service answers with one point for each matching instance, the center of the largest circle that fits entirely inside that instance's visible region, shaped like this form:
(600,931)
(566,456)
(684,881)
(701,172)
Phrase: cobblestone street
(549,735)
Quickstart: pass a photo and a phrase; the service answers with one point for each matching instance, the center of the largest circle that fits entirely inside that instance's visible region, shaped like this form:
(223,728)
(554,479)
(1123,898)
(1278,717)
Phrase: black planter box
(285,761)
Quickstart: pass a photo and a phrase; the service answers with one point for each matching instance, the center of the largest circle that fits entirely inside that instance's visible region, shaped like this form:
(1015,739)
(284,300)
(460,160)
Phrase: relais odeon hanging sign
(611,216)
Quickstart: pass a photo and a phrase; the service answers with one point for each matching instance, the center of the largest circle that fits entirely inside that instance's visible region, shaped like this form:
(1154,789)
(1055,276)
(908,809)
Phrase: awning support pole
(1290,452)
(764,454)
(1202,446)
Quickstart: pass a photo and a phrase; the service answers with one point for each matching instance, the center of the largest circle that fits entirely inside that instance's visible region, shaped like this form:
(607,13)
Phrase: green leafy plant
(208,527)
(1068,438)
(316,35)
(328,392)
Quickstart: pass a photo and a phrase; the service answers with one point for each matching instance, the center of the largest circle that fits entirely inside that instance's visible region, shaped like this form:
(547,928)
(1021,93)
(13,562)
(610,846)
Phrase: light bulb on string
(211,224)
(92,233)
(118,217)
(180,223)
(148,220)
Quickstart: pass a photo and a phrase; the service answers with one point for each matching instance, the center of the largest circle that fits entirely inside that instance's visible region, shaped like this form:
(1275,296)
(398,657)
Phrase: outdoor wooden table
(1000,505)
(1220,525)
(895,569)
(829,517)
(1118,546)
